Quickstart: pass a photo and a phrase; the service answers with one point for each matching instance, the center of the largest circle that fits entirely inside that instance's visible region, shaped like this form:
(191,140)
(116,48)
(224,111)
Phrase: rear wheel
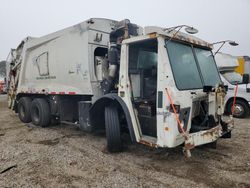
(113,129)
(40,112)
(241,108)
(24,106)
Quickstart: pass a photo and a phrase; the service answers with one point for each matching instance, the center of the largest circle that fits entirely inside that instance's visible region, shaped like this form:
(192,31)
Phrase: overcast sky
(215,19)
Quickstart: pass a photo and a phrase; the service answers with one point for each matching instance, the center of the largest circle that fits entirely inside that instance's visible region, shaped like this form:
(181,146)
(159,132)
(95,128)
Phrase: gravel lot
(63,156)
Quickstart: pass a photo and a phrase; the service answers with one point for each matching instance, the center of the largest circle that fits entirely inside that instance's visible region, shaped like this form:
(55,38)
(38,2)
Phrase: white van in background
(226,64)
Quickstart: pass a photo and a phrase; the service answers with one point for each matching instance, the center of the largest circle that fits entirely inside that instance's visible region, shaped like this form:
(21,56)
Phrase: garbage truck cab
(172,89)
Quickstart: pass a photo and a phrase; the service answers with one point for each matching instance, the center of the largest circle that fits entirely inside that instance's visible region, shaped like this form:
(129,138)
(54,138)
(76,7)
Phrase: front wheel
(113,129)
(241,108)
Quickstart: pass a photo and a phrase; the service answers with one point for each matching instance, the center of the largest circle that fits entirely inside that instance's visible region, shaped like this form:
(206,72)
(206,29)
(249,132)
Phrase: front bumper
(205,137)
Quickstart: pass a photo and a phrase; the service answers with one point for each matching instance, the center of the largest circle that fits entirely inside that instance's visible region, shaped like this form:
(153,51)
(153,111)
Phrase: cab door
(142,70)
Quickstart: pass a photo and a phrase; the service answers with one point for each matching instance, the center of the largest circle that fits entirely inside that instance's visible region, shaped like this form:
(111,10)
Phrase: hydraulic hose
(176,116)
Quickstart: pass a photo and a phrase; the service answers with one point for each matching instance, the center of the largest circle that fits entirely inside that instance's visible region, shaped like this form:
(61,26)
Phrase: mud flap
(226,134)
(84,123)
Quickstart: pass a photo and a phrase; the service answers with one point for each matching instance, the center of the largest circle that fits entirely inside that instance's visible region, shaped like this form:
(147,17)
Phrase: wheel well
(97,113)
(231,99)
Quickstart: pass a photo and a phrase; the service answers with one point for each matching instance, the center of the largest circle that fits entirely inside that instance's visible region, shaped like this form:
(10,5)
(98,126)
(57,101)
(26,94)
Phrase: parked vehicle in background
(227,64)
(1,87)
(159,85)
(244,65)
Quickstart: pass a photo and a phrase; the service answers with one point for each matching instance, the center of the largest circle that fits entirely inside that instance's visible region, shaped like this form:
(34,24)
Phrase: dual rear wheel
(37,111)
(24,105)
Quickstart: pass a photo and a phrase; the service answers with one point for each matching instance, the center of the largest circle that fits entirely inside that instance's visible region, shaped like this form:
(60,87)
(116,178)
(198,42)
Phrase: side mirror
(245,78)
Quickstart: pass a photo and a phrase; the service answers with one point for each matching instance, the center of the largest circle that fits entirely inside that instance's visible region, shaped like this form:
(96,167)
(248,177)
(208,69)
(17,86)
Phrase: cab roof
(179,36)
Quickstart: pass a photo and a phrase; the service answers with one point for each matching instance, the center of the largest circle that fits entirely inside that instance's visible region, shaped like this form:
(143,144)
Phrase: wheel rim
(238,110)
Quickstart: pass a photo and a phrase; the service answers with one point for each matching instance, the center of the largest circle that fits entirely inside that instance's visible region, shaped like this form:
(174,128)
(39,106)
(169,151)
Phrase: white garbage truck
(158,85)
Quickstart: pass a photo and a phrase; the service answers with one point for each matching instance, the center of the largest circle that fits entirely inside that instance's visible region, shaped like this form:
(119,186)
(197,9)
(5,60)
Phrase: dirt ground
(63,156)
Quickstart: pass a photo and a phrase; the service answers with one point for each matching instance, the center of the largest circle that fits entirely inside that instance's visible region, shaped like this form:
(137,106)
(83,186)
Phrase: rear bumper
(205,137)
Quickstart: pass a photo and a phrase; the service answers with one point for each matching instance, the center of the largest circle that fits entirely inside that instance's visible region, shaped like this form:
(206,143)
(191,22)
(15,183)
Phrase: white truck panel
(61,62)
(226,61)
(65,66)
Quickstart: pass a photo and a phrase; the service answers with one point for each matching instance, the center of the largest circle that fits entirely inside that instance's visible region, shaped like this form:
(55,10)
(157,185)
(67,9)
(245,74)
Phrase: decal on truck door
(42,64)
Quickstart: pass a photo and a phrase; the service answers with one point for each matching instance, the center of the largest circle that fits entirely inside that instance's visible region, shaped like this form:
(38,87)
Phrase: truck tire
(24,106)
(40,112)
(241,108)
(113,129)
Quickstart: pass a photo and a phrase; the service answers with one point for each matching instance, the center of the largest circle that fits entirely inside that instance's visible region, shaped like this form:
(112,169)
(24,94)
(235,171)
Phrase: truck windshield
(232,77)
(192,67)
(207,66)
